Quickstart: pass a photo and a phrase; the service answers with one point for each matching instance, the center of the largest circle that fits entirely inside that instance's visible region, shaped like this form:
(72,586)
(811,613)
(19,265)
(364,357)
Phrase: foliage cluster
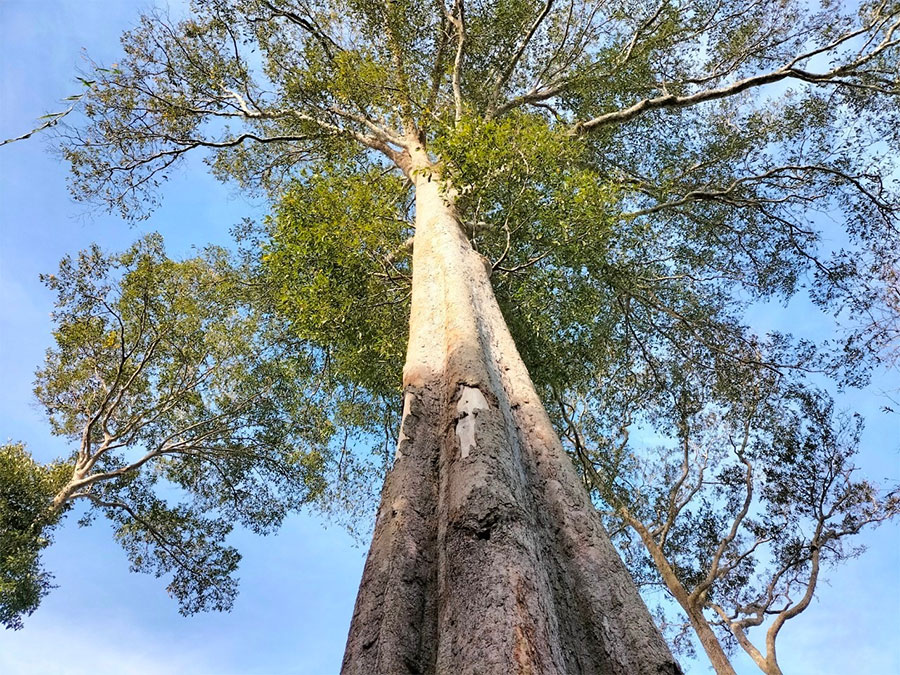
(186,413)
(26,488)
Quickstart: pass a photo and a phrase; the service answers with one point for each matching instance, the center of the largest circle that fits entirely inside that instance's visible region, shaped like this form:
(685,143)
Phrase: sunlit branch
(459,23)
(787,71)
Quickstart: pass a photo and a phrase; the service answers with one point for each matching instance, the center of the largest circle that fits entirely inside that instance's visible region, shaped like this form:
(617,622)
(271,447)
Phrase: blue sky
(297,588)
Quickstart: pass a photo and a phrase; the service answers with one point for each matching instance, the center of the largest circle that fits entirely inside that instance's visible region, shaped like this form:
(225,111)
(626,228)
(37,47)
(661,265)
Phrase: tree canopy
(644,139)
(184,413)
(635,173)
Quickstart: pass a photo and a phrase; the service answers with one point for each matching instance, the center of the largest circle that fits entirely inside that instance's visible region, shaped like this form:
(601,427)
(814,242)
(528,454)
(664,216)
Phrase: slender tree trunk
(710,643)
(487,555)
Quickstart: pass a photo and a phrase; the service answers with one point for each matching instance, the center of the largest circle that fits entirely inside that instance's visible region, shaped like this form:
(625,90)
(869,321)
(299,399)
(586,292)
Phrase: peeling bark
(487,555)
(471,402)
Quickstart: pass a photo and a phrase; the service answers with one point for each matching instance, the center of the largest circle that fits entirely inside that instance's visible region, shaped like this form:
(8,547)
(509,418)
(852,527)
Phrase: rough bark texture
(487,555)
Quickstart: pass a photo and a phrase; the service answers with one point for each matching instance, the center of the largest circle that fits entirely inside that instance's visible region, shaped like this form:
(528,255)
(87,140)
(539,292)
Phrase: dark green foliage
(26,491)
(338,270)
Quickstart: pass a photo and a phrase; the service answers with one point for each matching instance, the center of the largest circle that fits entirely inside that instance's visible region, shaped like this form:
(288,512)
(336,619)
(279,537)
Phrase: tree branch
(506,73)
(787,71)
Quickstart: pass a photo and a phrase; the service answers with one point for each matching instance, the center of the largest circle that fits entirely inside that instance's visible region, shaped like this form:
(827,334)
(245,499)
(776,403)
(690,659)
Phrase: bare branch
(459,22)
(787,71)
(506,73)
(52,120)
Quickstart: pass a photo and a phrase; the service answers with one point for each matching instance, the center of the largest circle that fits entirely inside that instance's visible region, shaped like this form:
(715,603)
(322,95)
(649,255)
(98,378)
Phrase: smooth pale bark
(487,555)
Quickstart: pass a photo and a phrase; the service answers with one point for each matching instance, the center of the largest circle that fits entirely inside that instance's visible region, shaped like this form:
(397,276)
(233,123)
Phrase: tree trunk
(694,611)
(487,555)
(711,645)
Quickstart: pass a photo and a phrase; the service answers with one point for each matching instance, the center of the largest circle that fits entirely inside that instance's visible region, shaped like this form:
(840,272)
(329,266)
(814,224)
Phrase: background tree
(652,222)
(742,521)
(185,417)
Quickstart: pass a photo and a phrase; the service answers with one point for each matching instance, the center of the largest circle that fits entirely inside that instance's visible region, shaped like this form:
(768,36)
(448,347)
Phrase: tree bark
(487,556)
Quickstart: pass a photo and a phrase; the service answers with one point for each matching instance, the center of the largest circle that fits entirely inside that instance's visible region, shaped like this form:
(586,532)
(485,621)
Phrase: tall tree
(630,174)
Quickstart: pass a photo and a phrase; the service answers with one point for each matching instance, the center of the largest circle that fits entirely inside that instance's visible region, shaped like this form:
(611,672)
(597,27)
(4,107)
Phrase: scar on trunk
(403,437)
(471,400)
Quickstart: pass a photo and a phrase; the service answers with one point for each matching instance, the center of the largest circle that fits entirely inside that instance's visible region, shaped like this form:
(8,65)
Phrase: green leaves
(26,521)
(545,220)
(160,539)
(167,380)
(340,271)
